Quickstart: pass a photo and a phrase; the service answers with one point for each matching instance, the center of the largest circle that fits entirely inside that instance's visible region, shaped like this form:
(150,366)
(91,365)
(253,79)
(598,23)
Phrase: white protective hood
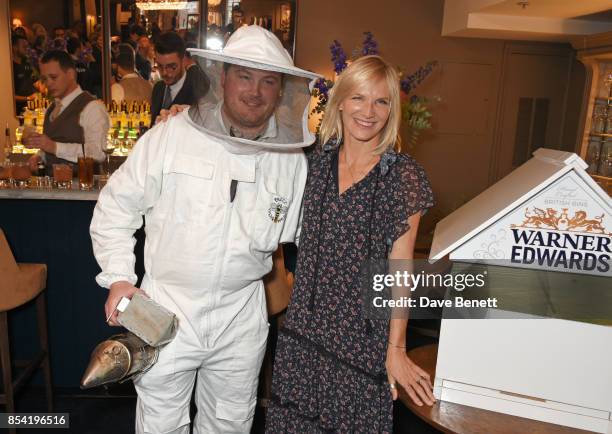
(255,47)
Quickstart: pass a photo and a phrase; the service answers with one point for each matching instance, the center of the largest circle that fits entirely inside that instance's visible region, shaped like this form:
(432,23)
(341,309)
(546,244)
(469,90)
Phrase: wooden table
(460,419)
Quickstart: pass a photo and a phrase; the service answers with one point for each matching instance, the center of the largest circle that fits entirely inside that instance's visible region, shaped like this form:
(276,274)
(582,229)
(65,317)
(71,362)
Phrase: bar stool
(19,284)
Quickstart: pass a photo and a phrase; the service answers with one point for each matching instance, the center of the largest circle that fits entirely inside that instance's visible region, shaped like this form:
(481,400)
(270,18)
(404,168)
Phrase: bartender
(75,122)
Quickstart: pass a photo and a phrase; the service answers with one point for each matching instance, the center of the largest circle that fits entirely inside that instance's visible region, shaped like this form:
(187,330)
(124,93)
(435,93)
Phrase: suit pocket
(274,197)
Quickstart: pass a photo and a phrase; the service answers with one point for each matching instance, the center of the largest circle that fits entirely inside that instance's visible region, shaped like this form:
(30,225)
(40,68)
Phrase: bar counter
(52,227)
(50,194)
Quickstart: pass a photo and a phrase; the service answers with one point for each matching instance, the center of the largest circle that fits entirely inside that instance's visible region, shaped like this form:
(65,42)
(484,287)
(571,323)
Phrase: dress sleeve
(412,195)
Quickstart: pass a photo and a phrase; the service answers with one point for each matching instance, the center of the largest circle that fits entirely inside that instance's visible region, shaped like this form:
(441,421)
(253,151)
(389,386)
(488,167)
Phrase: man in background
(22,73)
(131,87)
(59,33)
(142,66)
(75,122)
(146,52)
(237,21)
(174,88)
(82,61)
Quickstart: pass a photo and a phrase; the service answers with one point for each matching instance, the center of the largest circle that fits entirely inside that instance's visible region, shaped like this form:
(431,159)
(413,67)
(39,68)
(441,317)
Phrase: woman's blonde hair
(362,71)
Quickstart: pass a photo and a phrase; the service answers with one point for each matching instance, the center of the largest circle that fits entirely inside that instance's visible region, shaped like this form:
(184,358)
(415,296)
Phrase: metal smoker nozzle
(118,359)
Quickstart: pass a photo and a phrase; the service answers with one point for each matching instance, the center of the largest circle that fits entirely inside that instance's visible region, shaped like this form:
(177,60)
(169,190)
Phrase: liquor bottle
(8,146)
(133,117)
(118,130)
(123,116)
(130,137)
(40,120)
(132,132)
(113,113)
(28,117)
(141,128)
(115,136)
(147,115)
(40,168)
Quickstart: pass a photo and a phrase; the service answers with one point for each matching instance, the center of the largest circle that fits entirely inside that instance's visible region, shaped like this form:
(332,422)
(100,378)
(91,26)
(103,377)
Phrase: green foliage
(416,114)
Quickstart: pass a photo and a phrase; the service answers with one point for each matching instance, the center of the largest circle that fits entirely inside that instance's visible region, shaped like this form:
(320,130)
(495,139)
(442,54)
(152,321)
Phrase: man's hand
(41,141)
(33,163)
(172,111)
(118,290)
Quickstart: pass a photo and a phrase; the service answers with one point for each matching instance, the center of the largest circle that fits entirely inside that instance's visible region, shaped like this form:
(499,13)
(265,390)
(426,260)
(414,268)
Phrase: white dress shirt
(95,123)
(117,92)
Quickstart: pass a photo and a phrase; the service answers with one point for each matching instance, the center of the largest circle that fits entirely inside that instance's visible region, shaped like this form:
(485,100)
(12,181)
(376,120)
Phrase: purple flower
(338,56)
(322,87)
(370,46)
(410,82)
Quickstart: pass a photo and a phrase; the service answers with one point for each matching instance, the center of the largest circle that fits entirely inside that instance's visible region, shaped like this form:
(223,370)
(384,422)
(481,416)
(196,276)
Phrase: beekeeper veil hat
(252,47)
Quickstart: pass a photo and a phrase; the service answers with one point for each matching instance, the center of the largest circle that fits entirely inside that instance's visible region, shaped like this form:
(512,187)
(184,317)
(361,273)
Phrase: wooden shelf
(602,178)
(600,135)
(604,182)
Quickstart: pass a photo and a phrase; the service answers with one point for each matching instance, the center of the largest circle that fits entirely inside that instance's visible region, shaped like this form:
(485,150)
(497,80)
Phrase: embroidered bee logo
(278,209)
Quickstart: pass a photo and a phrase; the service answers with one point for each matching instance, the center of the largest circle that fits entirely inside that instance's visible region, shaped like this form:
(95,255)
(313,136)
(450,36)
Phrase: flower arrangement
(415,109)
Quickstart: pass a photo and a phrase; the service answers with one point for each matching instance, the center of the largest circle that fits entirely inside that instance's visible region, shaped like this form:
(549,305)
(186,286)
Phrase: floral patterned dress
(329,373)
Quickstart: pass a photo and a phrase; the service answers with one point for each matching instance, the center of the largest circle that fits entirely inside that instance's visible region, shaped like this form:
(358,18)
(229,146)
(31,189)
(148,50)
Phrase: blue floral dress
(329,372)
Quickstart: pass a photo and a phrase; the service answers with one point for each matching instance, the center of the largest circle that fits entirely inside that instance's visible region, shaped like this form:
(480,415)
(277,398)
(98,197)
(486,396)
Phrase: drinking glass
(62,174)
(21,174)
(108,150)
(5,174)
(86,169)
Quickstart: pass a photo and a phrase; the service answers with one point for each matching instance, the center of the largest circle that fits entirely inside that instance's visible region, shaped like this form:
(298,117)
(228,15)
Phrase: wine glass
(108,149)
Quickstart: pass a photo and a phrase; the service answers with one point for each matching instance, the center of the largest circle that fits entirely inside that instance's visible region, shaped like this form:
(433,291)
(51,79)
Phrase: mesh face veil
(253,50)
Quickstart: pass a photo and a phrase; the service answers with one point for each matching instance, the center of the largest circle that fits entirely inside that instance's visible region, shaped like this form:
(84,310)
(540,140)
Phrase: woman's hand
(278,284)
(401,371)
(172,111)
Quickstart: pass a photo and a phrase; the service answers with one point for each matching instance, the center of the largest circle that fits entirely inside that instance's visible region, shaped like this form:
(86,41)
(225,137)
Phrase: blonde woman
(335,369)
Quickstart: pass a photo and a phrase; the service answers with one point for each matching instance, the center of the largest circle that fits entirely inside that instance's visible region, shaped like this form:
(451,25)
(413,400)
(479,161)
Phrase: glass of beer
(5,174)
(86,172)
(62,174)
(21,174)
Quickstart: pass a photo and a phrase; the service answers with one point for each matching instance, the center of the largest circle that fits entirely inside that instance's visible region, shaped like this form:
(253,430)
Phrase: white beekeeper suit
(216,206)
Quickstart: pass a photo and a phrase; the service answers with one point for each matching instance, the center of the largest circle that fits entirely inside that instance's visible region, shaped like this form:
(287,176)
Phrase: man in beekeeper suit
(220,186)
